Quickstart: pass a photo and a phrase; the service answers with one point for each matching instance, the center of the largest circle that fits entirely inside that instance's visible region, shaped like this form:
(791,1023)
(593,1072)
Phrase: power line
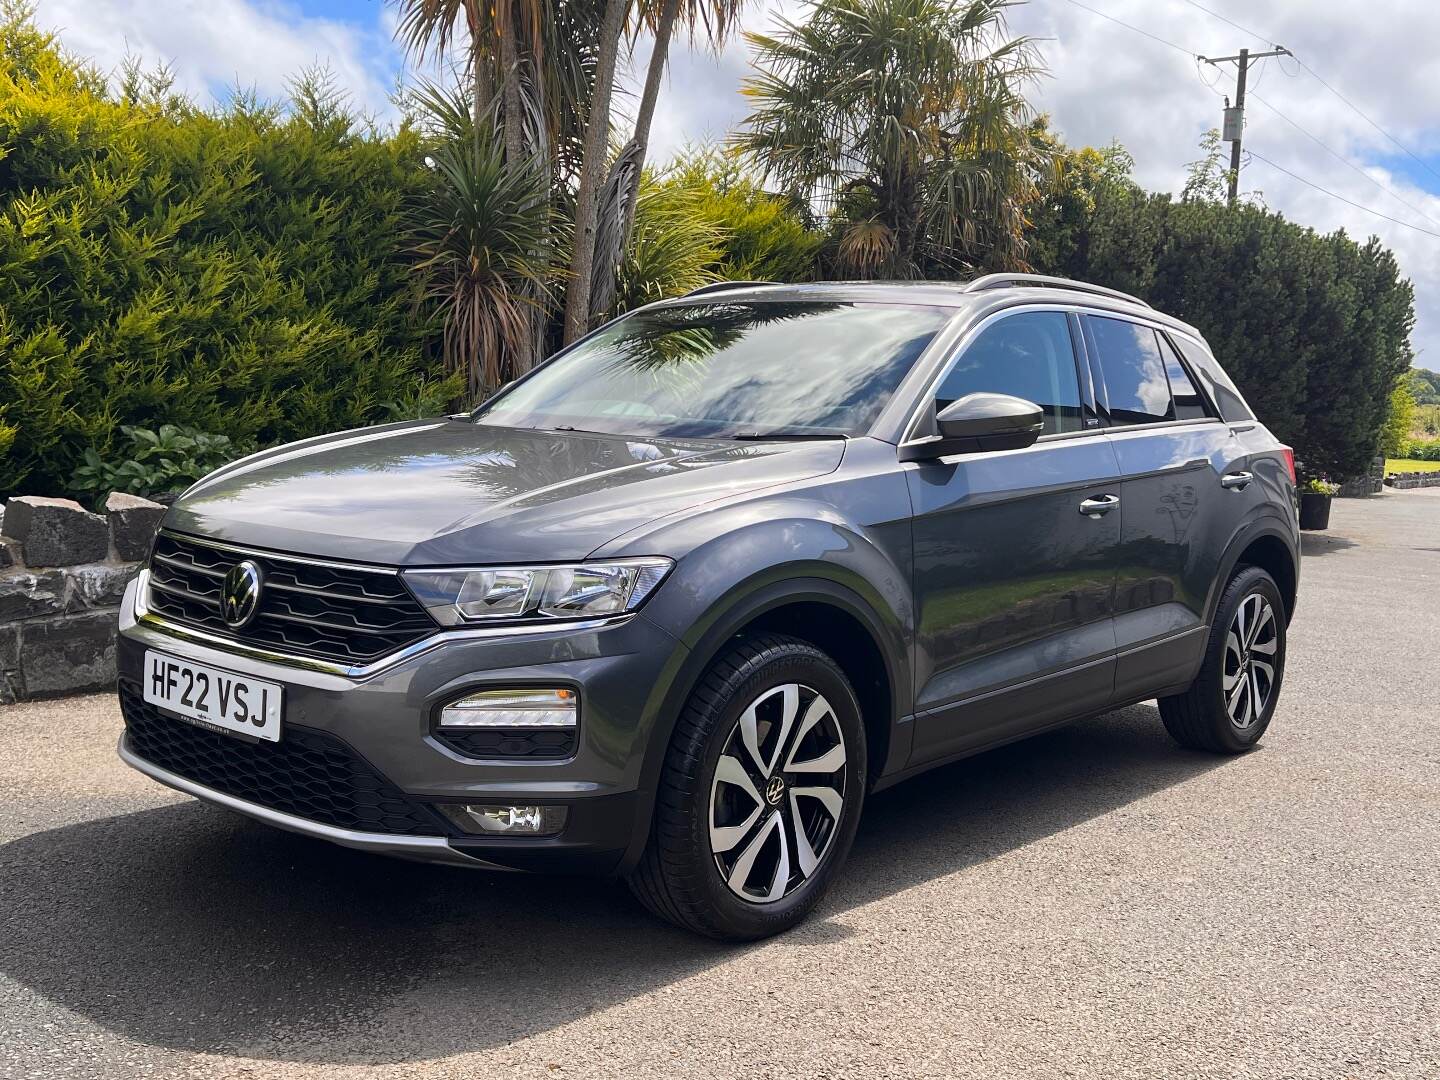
(1345,161)
(1356,109)
(1314,75)
(1342,198)
(1237,26)
(1136,29)
(1198,58)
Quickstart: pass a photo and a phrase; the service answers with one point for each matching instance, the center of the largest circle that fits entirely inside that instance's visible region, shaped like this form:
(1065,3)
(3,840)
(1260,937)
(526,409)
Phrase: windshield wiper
(783,433)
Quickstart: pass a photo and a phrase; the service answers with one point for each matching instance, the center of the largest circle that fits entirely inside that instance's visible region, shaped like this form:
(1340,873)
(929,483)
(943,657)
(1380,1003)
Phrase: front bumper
(386,717)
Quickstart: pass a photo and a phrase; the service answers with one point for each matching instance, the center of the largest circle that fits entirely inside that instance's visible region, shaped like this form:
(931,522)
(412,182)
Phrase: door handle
(1236,481)
(1100,504)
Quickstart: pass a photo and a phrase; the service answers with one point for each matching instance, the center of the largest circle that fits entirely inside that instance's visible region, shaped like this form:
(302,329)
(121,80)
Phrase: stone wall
(1403,480)
(63,571)
(1372,483)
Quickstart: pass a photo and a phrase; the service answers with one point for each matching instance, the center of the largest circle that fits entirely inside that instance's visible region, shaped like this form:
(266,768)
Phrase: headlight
(581,591)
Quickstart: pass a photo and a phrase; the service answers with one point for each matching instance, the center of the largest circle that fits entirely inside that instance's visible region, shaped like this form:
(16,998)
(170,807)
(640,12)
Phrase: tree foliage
(906,119)
(234,271)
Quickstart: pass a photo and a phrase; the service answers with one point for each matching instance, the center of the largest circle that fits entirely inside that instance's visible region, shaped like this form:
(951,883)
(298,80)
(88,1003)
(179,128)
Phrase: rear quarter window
(1132,370)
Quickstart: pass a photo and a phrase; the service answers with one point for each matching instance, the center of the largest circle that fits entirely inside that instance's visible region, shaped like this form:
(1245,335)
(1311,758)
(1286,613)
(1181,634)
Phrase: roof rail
(1044,281)
(720,286)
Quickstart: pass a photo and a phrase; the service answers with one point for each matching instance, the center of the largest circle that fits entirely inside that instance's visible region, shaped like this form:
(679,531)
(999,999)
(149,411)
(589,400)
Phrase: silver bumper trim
(434,849)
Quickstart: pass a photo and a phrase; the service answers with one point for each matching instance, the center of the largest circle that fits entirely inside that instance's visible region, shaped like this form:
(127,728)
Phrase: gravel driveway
(1093,902)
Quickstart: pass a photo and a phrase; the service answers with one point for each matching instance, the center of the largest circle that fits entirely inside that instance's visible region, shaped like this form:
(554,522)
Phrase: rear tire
(1230,703)
(760,793)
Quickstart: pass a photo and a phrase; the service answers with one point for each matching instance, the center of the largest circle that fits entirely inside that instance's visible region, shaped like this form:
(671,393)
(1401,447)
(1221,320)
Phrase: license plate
(213,698)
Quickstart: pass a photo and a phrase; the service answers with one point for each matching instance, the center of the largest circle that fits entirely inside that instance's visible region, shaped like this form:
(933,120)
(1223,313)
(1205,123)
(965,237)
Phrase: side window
(1133,371)
(1189,404)
(1028,355)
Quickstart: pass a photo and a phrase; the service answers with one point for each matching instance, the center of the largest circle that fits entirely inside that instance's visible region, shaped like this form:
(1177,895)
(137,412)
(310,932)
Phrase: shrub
(163,462)
(761,236)
(234,271)
(1421,451)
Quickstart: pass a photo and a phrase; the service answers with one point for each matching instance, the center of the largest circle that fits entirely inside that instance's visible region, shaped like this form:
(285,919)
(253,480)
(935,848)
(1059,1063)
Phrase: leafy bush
(162,462)
(233,271)
(1316,486)
(1421,451)
(761,236)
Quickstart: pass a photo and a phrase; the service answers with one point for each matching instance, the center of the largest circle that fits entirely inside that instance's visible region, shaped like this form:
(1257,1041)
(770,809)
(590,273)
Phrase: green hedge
(1422,451)
(235,271)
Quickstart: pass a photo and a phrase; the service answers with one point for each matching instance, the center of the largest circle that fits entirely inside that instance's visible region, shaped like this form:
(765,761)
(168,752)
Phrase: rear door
(1183,494)
(1012,580)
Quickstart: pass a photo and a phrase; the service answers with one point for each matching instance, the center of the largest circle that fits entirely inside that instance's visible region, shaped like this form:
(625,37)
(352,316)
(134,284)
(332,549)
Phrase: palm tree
(481,237)
(904,118)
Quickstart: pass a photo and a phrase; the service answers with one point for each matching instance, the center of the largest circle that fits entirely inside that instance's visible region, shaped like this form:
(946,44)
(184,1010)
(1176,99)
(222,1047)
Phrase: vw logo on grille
(240,595)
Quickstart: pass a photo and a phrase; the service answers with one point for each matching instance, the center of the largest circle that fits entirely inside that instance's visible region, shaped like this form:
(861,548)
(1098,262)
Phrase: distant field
(1406,465)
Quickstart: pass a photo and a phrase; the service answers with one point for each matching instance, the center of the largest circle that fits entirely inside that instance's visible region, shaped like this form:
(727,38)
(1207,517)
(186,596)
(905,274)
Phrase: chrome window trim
(149,620)
(963,342)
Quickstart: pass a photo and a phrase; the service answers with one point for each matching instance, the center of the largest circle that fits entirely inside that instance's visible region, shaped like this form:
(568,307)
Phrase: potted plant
(1315,496)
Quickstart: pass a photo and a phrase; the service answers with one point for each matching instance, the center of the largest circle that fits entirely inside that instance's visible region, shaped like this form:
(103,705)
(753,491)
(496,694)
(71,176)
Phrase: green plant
(763,236)
(481,236)
(1421,450)
(914,105)
(1399,419)
(156,462)
(1317,486)
(672,250)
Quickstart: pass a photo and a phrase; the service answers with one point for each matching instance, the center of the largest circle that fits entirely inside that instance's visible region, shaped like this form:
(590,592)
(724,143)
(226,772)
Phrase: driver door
(1015,552)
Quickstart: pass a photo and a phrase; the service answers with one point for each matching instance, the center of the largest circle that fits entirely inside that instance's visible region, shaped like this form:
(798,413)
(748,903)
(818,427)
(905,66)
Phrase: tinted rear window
(1132,370)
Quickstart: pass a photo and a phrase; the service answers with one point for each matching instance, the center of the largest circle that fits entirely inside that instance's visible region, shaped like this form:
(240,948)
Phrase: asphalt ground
(1094,902)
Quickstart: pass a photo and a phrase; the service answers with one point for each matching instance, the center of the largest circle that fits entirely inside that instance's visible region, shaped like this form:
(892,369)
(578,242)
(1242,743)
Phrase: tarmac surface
(1094,902)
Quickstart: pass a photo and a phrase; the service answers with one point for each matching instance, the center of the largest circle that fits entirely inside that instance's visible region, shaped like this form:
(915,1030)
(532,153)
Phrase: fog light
(507,820)
(513,709)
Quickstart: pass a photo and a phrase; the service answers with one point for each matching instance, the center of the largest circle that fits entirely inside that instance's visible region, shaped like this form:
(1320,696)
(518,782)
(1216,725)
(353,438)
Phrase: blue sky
(1106,83)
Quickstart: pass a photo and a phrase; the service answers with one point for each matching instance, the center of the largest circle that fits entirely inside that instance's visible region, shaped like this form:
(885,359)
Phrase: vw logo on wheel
(774,790)
(240,595)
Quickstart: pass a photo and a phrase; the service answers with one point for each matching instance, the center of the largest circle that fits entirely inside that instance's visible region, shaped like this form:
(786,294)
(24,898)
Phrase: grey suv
(674,603)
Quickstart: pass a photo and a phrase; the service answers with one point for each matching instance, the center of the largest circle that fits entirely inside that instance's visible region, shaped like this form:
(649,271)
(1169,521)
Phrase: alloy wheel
(778,793)
(1248,678)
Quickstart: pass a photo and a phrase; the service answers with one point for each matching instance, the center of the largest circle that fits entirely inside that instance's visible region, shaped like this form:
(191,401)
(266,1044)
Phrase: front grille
(535,743)
(308,773)
(335,613)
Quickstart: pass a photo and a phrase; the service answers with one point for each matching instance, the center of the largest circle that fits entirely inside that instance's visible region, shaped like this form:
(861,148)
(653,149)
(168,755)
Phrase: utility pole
(1235,115)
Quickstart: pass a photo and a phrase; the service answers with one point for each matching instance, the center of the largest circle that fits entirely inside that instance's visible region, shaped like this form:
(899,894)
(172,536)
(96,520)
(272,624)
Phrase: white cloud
(215,45)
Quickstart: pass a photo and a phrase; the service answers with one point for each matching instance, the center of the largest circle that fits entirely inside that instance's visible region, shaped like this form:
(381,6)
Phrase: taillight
(1289,456)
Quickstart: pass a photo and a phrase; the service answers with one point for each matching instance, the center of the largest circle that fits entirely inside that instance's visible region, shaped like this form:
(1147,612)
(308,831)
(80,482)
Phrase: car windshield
(728,370)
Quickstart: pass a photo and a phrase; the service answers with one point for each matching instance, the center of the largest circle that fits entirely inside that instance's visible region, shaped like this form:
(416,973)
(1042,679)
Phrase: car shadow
(189,928)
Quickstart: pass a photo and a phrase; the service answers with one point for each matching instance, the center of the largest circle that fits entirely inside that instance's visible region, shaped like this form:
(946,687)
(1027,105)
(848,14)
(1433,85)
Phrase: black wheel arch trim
(1266,523)
(744,607)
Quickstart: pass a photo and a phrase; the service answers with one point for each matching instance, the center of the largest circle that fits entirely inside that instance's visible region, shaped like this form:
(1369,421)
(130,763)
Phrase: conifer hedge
(235,270)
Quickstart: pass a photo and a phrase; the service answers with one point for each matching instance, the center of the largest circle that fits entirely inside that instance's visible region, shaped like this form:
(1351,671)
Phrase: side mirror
(979,422)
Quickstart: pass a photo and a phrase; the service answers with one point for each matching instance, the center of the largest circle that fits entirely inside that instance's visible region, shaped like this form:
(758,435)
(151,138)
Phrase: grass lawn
(1406,465)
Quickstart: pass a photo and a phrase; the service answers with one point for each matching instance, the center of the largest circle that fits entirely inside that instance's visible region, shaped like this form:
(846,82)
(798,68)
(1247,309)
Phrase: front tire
(760,793)
(1232,700)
